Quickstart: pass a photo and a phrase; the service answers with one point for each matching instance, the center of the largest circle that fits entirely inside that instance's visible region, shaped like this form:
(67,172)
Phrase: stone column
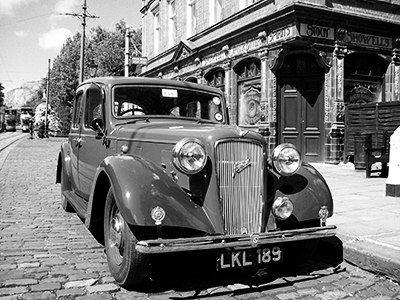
(228,92)
(264,128)
(334,113)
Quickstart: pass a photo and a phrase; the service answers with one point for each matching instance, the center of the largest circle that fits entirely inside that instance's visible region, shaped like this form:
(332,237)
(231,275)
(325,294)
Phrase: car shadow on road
(196,277)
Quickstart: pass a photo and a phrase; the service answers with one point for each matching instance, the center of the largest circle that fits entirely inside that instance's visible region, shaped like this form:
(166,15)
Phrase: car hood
(167,132)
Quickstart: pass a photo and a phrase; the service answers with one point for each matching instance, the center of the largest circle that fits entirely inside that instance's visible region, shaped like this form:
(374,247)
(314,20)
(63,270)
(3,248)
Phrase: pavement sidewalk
(368,221)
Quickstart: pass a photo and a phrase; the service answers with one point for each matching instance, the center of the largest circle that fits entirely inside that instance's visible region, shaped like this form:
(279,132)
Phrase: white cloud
(21,33)
(7,7)
(63,7)
(55,38)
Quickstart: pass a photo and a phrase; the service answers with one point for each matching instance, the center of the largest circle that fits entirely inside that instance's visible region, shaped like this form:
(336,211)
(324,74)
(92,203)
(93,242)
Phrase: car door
(74,139)
(92,150)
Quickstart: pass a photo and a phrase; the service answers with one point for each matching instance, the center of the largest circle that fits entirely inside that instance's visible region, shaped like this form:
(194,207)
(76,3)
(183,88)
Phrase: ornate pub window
(216,79)
(364,78)
(249,93)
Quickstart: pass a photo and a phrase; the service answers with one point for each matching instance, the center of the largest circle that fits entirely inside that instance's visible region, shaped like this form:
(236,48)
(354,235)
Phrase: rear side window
(94,106)
(76,121)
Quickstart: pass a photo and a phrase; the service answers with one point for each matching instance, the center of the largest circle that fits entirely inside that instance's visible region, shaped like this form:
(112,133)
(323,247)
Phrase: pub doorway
(300,107)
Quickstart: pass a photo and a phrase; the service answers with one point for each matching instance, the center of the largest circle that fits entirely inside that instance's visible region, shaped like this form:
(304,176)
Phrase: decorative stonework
(321,56)
(273,79)
(340,79)
(277,58)
(397,83)
(339,111)
(396,53)
(327,97)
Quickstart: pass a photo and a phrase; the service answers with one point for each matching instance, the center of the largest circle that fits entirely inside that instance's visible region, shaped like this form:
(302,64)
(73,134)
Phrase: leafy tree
(106,48)
(64,78)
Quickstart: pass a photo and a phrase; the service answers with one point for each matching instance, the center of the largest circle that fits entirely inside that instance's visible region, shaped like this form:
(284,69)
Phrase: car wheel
(127,266)
(64,202)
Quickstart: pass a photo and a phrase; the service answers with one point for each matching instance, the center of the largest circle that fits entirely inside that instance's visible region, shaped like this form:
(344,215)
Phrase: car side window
(94,106)
(77,110)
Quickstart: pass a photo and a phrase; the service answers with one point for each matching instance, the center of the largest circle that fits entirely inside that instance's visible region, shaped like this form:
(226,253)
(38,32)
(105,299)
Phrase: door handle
(78,142)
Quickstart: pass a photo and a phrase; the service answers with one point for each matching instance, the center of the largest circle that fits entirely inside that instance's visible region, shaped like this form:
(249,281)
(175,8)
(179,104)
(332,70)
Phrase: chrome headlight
(189,156)
(286,159)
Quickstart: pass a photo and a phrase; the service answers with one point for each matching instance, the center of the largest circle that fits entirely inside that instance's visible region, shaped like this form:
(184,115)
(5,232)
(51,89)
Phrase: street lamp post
(82,60)
(92,68)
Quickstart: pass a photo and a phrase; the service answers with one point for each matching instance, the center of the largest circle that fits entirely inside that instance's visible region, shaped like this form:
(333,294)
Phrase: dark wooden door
(301,115)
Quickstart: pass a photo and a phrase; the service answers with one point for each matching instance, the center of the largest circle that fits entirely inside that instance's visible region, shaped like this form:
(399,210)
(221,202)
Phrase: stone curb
(375,257)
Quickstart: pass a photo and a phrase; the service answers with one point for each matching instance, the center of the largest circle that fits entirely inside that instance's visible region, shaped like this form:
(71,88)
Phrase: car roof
(110,81)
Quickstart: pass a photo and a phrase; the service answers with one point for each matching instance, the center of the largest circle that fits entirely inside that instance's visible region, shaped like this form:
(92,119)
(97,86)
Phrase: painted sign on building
(282,34)
(363,39)
(214,58)
(245,47)
(315,31)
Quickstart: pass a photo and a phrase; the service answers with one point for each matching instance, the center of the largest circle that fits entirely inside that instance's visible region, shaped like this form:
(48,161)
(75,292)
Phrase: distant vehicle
(26,114)
(153,166)
(11,119)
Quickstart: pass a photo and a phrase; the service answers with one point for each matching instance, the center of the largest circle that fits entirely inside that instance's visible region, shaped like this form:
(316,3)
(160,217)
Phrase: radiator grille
(240,190)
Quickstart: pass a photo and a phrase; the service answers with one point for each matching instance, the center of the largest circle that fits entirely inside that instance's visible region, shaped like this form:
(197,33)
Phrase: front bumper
(232,241)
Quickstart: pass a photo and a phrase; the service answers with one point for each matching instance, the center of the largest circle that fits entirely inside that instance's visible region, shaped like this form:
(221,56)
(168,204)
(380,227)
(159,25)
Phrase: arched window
(249,92)
(216,79)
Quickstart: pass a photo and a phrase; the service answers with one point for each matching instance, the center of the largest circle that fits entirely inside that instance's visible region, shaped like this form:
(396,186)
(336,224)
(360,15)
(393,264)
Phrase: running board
(79,204)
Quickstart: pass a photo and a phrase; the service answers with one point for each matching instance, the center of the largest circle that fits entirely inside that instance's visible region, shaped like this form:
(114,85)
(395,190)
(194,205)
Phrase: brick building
(290,67)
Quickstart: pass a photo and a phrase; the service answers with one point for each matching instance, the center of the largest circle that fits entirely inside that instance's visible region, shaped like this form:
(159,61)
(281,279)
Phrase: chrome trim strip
(227,241)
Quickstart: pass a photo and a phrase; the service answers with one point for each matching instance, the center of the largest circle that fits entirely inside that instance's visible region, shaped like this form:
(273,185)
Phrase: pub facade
(288,68)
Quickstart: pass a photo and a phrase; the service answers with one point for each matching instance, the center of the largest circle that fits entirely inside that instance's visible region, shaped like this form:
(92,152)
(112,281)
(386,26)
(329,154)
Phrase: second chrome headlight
(286,159)
(189,156)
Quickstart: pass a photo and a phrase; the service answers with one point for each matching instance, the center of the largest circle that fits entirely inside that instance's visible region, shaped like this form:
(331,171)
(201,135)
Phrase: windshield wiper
(147,119)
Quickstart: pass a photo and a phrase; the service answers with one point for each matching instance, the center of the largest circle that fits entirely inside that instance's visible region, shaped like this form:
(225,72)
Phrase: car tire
(127,266)
(64,202)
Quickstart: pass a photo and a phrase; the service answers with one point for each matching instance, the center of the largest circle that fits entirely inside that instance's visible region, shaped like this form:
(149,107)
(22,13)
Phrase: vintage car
(153,166)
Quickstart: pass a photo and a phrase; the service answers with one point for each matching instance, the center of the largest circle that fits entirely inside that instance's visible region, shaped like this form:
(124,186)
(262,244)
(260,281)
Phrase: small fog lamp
(282,208)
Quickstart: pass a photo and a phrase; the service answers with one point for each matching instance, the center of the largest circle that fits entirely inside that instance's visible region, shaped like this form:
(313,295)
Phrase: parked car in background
(153,166)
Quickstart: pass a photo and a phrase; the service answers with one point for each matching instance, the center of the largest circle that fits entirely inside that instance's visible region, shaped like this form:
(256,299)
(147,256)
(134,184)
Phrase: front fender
(139,186)
(308,191)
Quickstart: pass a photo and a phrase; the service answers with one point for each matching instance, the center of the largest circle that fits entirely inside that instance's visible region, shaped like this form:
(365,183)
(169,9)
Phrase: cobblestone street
(46,253)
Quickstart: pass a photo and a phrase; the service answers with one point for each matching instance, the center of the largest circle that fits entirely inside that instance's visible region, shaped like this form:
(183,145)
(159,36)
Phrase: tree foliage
(105,47)
(1,94)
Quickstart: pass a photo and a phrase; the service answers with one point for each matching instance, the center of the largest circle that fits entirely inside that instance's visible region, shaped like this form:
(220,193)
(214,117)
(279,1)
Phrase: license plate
(235,259)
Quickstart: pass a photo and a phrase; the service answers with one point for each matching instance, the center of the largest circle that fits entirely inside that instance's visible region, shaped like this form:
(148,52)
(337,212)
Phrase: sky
(33,31)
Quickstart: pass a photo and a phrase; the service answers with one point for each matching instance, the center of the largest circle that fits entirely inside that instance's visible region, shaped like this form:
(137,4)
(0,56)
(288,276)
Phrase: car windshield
(130,101)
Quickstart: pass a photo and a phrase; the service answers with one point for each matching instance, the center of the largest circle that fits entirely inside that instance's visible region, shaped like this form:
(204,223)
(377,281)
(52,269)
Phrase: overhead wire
(34,17)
